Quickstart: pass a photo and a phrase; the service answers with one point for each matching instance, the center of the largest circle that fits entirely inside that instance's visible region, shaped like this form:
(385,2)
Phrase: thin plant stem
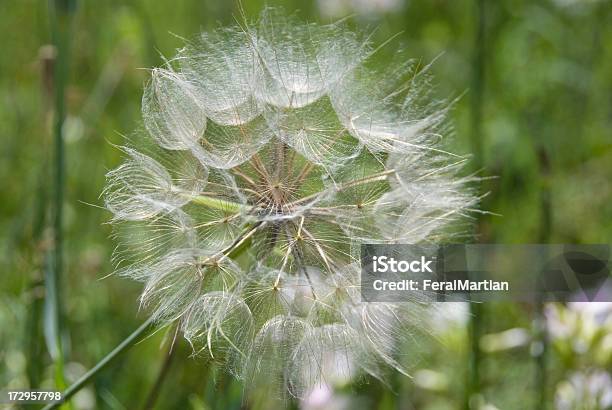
(60,20)
(540,326)
(476,309)
(216,203)
(91,374)
(163,372)
(475,333)
(35,349)
(478,83)
(541,357)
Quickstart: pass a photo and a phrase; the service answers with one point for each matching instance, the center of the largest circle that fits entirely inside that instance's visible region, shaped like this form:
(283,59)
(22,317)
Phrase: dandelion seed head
(270,153)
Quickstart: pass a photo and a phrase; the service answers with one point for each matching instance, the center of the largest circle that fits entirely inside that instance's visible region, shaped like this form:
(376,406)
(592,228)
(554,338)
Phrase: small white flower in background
(272,152)
(581,335)
(431,380)
(505,340)
(323,397)
(585,326)
(586,390)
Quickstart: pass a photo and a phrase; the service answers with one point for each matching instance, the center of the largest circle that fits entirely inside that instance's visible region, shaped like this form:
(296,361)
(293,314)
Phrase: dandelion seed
(271,153)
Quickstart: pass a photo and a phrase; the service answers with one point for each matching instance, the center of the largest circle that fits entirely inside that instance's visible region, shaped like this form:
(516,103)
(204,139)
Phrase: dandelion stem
(242,239)
(221,204)
(227,252)
(163,371)
(87,377)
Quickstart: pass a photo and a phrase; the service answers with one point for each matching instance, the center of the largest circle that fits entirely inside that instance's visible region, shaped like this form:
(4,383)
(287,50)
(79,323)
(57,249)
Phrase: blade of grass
(35,342)
(475,333)
(477,311)
(539,323)
(87,377)
(60,13)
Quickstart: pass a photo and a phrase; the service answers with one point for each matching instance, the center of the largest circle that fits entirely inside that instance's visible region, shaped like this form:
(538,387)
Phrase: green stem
(541,357)
(478,85)
(540,326)
(163,371)
(60,20)
(475,333)
(477,310)
(37,305)
(221,204)
(87,377)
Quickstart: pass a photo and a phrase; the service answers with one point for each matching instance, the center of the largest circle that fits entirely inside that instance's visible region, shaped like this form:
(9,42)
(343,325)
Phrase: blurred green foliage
(546,128)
